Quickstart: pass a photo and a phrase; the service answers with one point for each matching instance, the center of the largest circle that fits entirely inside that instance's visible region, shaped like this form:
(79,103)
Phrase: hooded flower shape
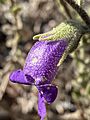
(71,30)
(40,69)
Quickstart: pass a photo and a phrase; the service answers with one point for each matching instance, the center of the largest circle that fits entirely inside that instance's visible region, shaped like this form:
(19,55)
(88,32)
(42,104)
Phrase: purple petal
(43,58)
(49,92)
(41,107)
(18,76)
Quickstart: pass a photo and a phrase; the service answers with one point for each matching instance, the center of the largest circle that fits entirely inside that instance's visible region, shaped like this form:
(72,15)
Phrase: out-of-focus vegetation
(19,21)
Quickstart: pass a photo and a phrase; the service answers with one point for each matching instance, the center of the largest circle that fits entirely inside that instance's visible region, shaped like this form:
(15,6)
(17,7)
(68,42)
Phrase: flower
(40,69)
(71,30)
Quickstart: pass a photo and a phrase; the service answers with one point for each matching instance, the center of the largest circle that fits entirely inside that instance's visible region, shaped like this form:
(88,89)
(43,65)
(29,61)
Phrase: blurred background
(20,20)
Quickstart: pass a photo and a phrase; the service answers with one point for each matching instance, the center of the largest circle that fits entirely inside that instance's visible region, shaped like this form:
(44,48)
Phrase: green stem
(66,8)
(80,11)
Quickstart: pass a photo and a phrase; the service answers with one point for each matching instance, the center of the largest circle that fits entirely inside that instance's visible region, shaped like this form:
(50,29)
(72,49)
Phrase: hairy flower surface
(71,30)
(40,69)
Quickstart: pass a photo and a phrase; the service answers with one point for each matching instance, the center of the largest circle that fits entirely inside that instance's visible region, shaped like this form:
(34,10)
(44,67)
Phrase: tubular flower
(70,30)
(40,69)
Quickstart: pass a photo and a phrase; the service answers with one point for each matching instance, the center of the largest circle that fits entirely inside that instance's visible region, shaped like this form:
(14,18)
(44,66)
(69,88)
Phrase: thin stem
(66,8)
(80,11)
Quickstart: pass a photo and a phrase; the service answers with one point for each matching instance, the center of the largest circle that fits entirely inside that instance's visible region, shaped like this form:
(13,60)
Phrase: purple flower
(40,69)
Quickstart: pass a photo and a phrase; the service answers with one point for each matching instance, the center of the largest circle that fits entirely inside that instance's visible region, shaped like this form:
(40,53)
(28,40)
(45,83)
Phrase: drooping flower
(40,69)
(71,30)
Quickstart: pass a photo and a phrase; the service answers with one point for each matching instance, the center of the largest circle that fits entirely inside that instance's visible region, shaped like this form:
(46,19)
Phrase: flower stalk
(82,13)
